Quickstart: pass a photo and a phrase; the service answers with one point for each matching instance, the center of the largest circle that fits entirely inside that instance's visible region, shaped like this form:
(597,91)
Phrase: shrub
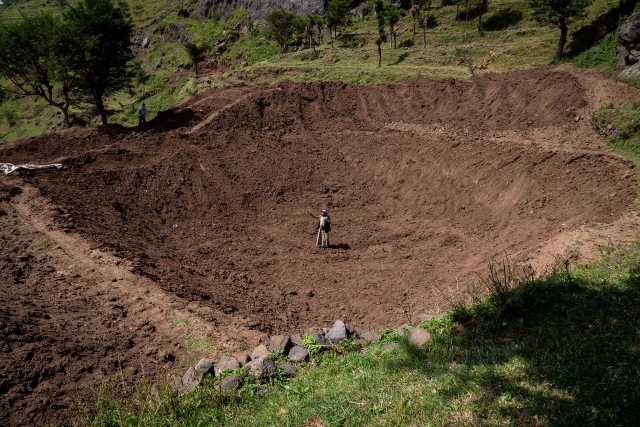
(502,20)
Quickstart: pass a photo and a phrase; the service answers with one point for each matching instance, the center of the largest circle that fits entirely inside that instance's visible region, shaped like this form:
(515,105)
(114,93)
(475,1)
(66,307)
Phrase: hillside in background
(238,51)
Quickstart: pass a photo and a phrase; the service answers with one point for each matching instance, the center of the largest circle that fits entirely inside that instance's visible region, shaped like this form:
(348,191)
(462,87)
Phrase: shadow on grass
(561,351)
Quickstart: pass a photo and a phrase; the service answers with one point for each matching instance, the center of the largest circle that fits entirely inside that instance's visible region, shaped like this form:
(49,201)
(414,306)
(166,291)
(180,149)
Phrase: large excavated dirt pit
(210,211)
(426,182)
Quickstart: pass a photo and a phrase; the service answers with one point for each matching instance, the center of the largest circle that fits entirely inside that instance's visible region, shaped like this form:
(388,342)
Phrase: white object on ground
(8,168)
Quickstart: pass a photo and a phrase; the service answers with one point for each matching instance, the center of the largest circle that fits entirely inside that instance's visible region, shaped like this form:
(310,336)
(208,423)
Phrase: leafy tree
(35,58)
(558,12)
(101,32)
(337,15)
(313,30)
(483,7)
(392,15)
(282,26)
(197,54)
(382,36)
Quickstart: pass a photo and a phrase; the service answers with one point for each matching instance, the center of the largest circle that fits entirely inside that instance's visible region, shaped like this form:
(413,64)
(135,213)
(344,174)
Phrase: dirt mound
(425,182)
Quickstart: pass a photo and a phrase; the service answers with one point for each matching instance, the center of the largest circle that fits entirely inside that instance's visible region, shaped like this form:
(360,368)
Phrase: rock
(289,369)
(205,366)
(195,375)
(370,337)
(226,363)
(262,367)
(629,41)
(190,381)
(279,343)
(296,339)
(242,357)
(337,333)
(298,354)
(259,9)
(631,72)
(230,384)
(318,336)
(259,351)
(418,336)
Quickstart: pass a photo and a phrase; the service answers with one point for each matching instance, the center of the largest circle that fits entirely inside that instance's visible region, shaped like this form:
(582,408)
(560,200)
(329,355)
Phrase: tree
(313,25)
(382,36)
(392,15)
(558,12)
(423,18)
(100,33)
(483,7)
(196,53)
(282,26)
(34,57)
(337,15)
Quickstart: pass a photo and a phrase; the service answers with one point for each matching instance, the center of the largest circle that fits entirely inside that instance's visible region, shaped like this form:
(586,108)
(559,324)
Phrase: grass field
(512,40)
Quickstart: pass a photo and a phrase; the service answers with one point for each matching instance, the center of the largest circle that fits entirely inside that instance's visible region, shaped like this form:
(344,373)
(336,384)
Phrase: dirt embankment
(425,182)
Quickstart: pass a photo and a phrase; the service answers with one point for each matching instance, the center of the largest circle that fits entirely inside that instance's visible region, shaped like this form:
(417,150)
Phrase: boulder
(226,363)
(296,339)
(259,351)
(205,366)
(318,336)
(242,357)
(298,354)
(337,333)
(262,367)
(417,336)
(190,381)
(629,41)
(258,9)
(230,384)
(279,343)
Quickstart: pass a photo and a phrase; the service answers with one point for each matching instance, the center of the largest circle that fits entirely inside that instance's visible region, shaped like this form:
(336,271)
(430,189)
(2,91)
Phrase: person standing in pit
(324,228)
(142,115)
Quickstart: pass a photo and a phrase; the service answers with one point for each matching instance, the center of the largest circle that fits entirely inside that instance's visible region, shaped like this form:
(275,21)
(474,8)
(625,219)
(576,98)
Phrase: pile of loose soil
(426,182)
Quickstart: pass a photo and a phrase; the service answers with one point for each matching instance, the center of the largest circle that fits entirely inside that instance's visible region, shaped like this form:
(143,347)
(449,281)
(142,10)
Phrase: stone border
(261,362)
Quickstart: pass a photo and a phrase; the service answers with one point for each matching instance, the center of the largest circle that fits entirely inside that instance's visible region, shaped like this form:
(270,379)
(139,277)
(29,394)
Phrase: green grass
(602,56)
(561,350)
(453,48)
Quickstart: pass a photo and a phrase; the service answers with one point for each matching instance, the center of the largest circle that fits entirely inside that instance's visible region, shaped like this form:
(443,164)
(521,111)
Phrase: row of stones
(261,363)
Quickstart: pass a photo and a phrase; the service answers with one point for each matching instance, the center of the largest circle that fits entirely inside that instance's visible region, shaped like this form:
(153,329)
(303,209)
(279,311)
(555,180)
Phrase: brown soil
(210,208)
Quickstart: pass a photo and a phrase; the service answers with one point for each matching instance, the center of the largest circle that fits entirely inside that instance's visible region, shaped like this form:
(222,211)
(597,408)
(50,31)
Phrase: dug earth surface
(213,205)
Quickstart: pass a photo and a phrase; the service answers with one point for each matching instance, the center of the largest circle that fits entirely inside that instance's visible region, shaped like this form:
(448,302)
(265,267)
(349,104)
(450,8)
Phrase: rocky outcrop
(259,8)
(629,40)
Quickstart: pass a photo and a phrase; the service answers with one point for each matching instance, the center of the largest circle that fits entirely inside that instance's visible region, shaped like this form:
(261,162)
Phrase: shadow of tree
(557,352)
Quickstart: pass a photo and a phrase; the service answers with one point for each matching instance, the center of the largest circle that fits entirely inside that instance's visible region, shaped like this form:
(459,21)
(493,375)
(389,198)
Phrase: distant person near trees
(324,228)
(142,114)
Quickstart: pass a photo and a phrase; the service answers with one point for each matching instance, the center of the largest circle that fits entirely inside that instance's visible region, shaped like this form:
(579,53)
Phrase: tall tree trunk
(65,115)
(562,23)
(424,34)
(380,54)
(100,109)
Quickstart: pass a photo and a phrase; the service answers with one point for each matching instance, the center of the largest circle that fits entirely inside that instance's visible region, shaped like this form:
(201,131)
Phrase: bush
(502,20)
(351,41)
(406,43)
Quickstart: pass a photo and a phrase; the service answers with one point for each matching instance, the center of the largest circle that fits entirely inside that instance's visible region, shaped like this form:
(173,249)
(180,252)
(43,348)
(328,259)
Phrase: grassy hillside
(511,40)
